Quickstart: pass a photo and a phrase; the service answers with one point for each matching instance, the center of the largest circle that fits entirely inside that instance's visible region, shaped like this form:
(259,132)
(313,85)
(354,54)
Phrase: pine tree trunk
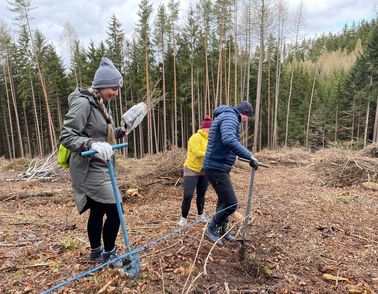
(288,104)
(366,123)
(212,78)
(115,114)
(269,107)
(28,144)
(278,74)
(207,83)
(15,108)
(125,151)
(337,118)
(149,119)
(59,109)
(36,121)
(155,132)
(141,141)
(160,147)
(228,97)
(375,131)
(172,130)
(367,113)
(10,153)
(192,97)
(353,120)
(236,54)
(219,70)
(223,94)
(134,132)
(175,99)
(359,119)
(309,110)
(52,134)
(258,94)
(248,74)
(201,102)
(276,97)
(182,128)
(13,149)
(164,105)
(120,106)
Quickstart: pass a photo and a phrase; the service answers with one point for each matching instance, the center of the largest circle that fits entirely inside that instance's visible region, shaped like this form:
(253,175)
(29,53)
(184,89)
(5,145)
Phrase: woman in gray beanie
(89,125)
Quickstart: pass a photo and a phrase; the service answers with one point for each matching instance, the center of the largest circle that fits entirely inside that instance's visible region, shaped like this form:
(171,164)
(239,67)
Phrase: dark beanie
(206,123)
(245,108)
(107,76)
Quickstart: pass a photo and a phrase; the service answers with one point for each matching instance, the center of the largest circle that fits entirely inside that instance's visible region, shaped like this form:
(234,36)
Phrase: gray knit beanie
(245,108)
(107,76)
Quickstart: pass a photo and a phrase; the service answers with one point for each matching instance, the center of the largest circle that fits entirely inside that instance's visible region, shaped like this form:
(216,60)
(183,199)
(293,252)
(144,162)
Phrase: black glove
(254,163)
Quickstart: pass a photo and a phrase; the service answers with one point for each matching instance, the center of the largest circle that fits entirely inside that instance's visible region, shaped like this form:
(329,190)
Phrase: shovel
(248,209)
(131,263)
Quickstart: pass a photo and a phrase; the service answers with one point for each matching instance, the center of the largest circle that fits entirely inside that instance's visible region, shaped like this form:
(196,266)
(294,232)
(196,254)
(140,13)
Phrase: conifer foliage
(312,92)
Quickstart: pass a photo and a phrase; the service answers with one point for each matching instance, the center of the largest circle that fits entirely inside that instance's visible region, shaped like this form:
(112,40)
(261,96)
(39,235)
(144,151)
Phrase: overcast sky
(90,17)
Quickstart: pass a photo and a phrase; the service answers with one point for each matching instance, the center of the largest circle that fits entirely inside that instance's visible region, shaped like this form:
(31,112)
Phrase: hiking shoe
(212,234)
(201,218)
(110,255)
(96,255)
(224,229)
(182,222)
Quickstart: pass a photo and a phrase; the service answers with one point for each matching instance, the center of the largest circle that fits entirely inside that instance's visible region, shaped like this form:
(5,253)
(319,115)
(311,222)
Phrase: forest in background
(311,92)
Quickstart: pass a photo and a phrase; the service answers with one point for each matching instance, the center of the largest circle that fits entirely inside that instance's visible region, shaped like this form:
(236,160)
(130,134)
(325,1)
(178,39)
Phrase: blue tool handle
(119,205)
(91,152)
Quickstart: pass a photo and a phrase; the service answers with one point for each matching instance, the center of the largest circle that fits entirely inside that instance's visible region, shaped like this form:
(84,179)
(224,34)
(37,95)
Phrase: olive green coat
(83,124)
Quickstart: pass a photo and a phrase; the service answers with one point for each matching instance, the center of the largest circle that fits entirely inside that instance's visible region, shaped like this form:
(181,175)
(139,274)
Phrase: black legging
(96,226)
(190,184)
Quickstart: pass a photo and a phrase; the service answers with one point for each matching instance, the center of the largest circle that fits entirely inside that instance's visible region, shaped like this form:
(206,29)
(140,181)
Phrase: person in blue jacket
(223,147)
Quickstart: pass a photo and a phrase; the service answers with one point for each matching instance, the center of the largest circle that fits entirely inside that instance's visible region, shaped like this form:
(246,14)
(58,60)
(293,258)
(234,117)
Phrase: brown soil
(304,237)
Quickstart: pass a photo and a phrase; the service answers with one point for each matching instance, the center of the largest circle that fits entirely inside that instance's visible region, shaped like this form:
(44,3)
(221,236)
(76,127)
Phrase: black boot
(228,236)
(211,233)
(96,255)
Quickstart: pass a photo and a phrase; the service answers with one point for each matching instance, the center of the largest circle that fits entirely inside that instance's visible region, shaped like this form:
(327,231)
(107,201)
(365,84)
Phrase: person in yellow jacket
(194,178)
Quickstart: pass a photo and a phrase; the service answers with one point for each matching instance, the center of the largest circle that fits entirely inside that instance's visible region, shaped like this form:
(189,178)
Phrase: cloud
(324,16)
(90,18)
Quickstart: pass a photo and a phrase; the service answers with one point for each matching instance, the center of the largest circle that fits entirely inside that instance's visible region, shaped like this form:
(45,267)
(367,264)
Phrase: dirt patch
(304,237)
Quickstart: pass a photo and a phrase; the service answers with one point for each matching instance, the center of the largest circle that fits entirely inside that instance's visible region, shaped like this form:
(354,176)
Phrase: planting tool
(131,263)
(249,208)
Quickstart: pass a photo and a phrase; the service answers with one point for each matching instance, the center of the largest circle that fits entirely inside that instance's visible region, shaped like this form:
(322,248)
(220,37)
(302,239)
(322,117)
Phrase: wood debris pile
(370,151)
(164,168)
(285,156)
(43,169)
(342,168)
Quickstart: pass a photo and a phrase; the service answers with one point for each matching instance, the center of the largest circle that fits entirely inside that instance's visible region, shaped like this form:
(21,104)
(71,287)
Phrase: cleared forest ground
(306,236)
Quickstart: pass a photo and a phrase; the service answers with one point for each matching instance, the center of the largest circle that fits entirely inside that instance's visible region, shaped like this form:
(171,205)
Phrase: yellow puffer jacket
(196,150)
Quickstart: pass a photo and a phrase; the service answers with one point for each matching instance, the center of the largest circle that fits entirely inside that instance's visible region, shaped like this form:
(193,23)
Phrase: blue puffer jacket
(223,144)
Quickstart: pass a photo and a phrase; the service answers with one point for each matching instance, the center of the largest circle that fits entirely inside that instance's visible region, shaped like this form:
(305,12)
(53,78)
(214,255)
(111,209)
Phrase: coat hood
(81,92)
(224,108)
